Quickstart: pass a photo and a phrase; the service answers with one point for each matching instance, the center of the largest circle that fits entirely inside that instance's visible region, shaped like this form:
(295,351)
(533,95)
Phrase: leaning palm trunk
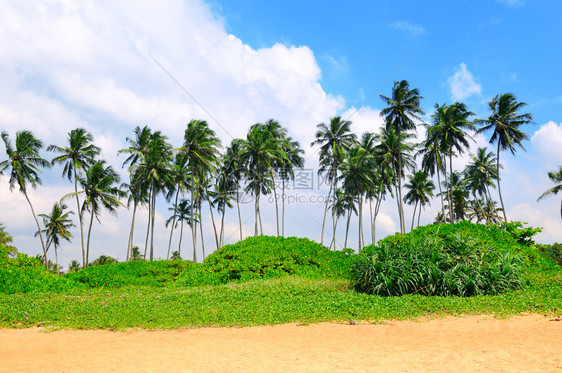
(276,204)
(173,224)
(419,215)
(201,230)
(361,242)
(57,261)
(222,226)
(256,210)
(283,207)
(214,226)
(414,216)
(38,229)
(499,187)
(326,209)
(239,216)
(372,221)
(89,235)
(193,222)
(147,233)
(439,184)
(181,236)
(153,214)
(377,207)
(79,219)
(347,228)
(130,244)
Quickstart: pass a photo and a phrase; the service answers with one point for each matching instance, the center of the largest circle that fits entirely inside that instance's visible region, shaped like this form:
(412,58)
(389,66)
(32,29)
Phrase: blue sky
(70,64)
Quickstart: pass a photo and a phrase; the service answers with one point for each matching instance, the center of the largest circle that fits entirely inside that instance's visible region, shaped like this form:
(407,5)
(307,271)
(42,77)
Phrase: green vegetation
(268,280)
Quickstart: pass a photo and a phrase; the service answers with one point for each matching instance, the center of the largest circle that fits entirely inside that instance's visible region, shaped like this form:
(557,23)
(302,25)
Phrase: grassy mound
(141,273)
(24,274)
(268,257)
(462,259)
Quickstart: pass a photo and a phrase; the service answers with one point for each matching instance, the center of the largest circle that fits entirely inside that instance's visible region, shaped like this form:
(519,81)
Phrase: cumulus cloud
(462,84)
(547,143)
(411,29)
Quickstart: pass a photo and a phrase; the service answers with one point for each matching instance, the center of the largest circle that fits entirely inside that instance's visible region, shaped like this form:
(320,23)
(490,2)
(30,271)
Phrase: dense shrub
(134,273)
(553,252)
(461,259)
(268,257)
(24,274)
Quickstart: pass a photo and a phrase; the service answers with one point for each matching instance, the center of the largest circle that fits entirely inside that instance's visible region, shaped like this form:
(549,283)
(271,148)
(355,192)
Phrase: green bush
(268,257)
(553,252)
(134,273)
(462,259)
(25,274)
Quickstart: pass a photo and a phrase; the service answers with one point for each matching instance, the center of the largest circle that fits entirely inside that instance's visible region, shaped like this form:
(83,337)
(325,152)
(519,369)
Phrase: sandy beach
(471,344)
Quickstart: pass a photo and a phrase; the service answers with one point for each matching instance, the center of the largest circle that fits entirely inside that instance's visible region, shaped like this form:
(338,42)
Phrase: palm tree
(344,203)
(74,266)
(6,240)
(233,170)
(153,174)
(103,260)
(201,148)
(505,123)
(403,107)
(57,225)
(555,177)
(25,162)
(456,188)
(334,139)
(420,190)
(432,162)
(476,210)
(448,130)
(226,188)
(180,213)
(481,172)
(100,190)
(79,154)
(259,151)
(180,179)
(357,179)
(291,159)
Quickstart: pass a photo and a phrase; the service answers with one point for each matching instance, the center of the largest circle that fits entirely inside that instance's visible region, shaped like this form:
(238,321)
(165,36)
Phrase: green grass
(259,281)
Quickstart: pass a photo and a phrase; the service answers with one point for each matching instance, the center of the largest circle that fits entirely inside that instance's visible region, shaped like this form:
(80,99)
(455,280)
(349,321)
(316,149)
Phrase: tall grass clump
(134,273)
(268,257)
(25,274)
(462,259)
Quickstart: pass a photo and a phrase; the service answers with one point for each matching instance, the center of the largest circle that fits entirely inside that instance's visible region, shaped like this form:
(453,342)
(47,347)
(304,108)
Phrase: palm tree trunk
(419,215)
(201,229)
(283,207)
(57,261)
(130,245)
(377,208)
(439,183)
(147,232)
(414,216)
(181,236)
(89,235)
(347,228)
(499,187)
(334,225)
(239,216)
(79,219)
(400,204)
(371,220)
(38,228)
(213,221)
(193,222)
(222,225)
(152,224)
(451,187)
(173,224)
(326,213)
(256,210)
(360,222)
(276,205)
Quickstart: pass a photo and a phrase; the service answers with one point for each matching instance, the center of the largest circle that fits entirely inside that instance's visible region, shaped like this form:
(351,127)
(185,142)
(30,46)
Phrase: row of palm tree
(360,171)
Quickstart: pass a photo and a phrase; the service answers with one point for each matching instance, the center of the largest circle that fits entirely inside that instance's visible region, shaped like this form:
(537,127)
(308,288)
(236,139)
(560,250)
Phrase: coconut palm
(233,171)
(24,162)
(201,148)
(432,163)
(180,213)
(179,177)
(226,188)
(6,240)
(334,139)
(291,159)
(259,151)
(450,123)
(57,225)
(78,154)
(505,122)
(100,191)
(403,107)
(420,191)
(481,172)
(555,177)
(74,266)
(456,188)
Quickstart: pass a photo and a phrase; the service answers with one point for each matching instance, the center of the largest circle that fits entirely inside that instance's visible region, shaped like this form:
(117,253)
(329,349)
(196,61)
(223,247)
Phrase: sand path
(470,344)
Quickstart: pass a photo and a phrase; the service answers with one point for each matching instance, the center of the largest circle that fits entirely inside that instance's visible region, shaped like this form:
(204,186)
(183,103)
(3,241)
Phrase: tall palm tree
(334,139)
(259,151)
(420,191)
(233,171)
(77,155)
(450,123)
(555,177)
(481,172)
(291,159)
(179,177)
(403,107)
(100,191)
(505,122)
(357,179)
(432,162)
(57,225)
(201,147)
(25,162)
(456,188)
(225,189)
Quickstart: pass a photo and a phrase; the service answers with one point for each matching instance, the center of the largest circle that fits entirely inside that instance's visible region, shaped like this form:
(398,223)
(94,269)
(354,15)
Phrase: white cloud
(411,28)
(462,84)
(547,143)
